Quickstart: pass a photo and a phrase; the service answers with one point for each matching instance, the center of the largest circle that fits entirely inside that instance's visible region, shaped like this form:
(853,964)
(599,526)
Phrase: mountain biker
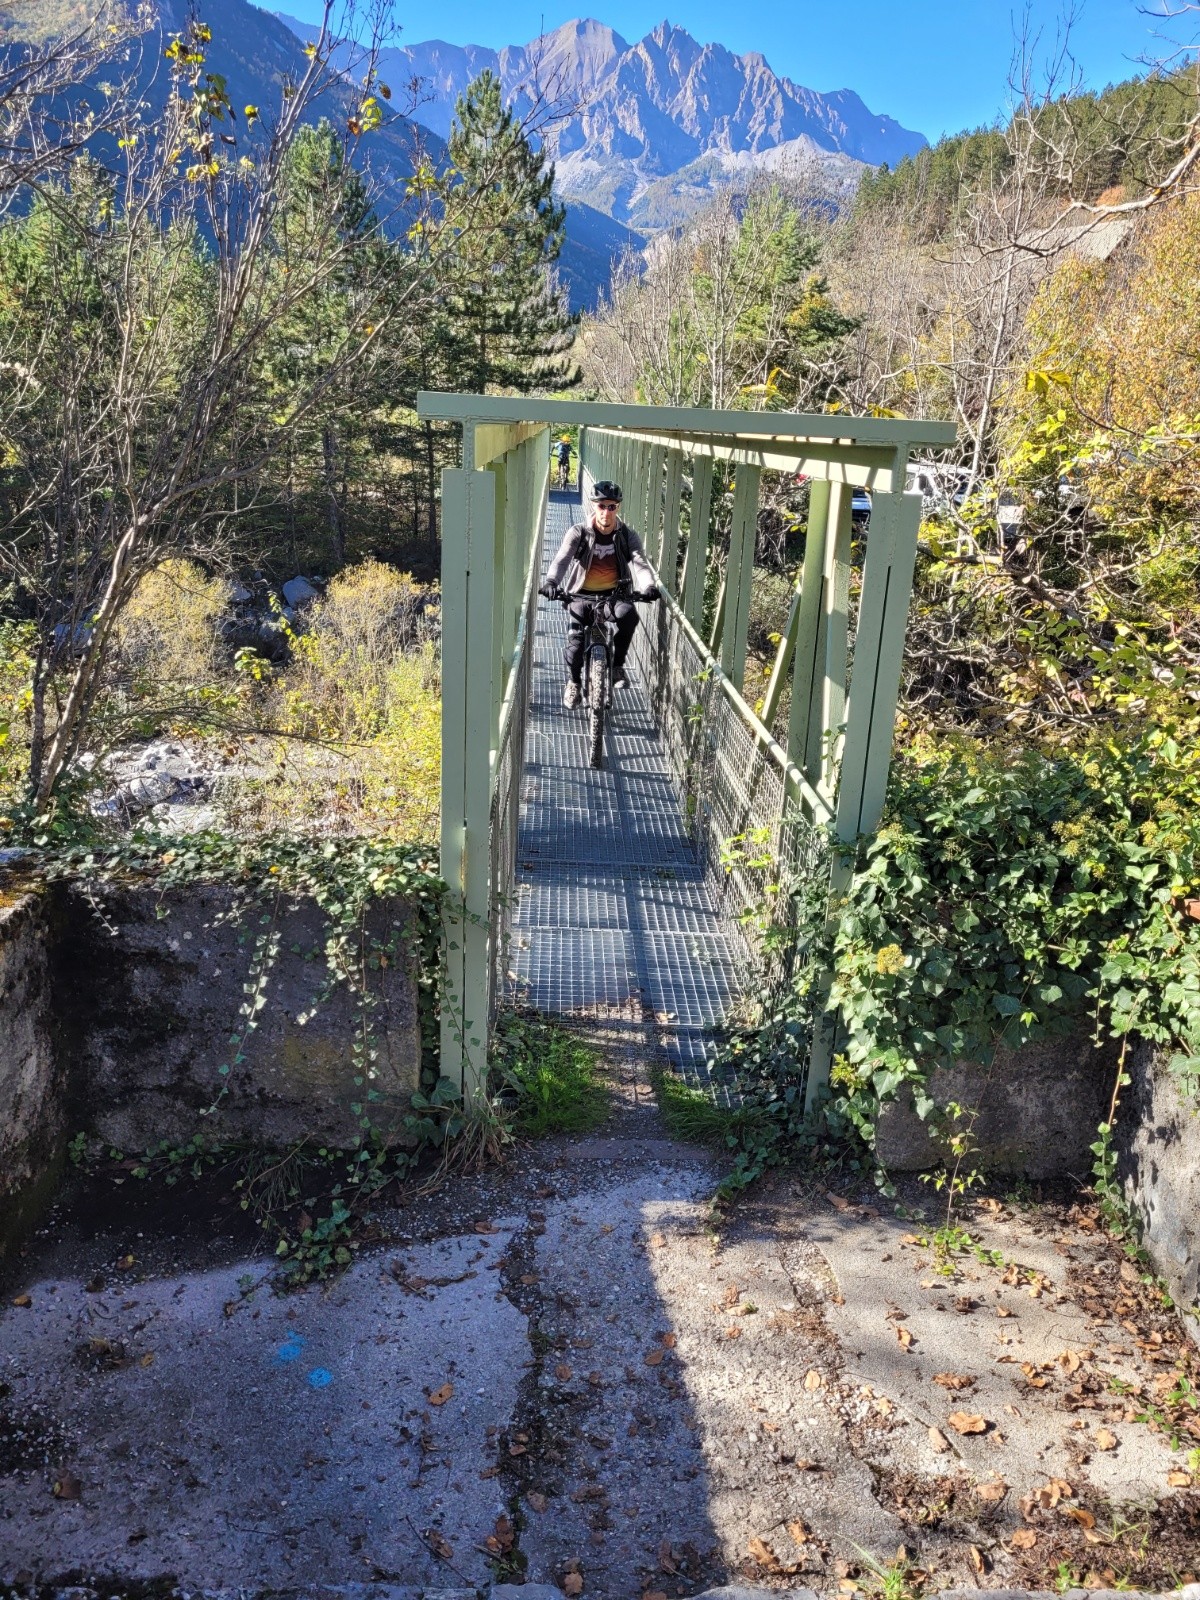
(563,451)
(598,557)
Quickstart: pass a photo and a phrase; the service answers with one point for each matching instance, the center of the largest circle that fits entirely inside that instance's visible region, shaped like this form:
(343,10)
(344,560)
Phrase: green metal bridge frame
(838,744)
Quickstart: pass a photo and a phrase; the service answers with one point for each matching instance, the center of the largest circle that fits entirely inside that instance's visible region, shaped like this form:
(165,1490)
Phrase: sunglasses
(608,505)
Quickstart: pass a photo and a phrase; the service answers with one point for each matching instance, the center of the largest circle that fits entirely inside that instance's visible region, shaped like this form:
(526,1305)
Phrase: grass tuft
(552,1075)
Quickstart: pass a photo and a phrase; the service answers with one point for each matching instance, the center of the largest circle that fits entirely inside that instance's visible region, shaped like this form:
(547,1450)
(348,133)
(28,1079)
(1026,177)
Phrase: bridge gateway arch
(694,746)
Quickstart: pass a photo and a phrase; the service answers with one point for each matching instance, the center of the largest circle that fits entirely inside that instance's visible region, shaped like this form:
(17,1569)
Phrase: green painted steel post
(829,690)
(652,536)
(468,544)
(783,659)
(504,474)
(870,714)
(739,574)
(809,623)
(695,560)
(668,565)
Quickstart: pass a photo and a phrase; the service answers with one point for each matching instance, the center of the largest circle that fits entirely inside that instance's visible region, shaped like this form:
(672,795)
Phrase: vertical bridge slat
(695,561)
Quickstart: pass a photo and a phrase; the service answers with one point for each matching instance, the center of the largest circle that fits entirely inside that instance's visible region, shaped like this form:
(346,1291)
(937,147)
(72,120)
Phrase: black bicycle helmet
(606,489)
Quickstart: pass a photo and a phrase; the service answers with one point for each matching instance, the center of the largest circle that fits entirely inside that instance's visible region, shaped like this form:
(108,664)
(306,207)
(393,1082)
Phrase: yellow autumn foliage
(1113,387)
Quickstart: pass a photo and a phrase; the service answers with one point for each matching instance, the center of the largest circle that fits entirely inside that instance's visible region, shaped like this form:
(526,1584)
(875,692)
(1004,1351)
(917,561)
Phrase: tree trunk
(337,525)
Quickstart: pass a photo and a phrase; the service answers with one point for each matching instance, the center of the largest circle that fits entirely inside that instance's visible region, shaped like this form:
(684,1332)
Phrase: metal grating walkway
(612,918)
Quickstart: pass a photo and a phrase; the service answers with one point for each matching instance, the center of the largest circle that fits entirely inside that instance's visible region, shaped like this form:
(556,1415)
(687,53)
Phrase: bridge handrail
(820,809)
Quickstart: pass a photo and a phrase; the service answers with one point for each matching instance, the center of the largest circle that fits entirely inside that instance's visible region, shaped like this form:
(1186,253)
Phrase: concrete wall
(116,1015)
(149,987)
(32,1080)
(1158,1141)
(1039,1108)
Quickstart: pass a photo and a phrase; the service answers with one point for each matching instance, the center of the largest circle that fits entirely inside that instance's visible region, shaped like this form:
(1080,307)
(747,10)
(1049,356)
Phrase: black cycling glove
(550,591)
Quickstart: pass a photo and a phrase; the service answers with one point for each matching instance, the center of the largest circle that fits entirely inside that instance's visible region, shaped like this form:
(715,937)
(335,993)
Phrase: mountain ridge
(631,116)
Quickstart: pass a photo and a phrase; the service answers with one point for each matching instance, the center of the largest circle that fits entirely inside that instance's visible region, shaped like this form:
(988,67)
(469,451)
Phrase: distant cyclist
(563,451)
(598,557)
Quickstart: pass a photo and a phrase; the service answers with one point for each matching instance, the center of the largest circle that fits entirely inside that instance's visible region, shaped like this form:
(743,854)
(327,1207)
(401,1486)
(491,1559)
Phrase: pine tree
(510,322)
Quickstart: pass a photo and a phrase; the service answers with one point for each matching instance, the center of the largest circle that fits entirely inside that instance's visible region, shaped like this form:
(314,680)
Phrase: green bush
(1007,897)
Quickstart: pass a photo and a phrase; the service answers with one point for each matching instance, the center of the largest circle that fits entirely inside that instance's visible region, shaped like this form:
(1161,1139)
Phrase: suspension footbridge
(640,893)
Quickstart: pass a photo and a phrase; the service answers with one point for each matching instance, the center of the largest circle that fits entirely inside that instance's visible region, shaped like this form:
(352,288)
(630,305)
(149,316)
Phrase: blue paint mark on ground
(291,1349)
(320,1378)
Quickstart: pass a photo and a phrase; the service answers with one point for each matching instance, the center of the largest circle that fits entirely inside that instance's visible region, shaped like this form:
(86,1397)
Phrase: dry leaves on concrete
(954,1380)
(939,1440)
(440,1396)
(967,1422)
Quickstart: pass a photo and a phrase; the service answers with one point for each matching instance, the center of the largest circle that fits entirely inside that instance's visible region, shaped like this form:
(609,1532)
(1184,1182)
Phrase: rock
(1158,1137)
(11,856)
(1038,1109)
(162,773)
(297,591)
(524,1591)
(742,1591)
(239,595)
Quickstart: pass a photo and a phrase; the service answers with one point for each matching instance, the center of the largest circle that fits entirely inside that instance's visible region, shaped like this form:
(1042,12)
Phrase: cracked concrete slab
(226,1435)
(557,1371)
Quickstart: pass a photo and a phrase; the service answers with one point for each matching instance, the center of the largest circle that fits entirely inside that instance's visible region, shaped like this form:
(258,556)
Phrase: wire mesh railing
(760,841)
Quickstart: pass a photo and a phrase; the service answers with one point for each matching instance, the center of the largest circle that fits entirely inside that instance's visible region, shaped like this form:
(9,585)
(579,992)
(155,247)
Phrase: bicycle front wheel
(597,696)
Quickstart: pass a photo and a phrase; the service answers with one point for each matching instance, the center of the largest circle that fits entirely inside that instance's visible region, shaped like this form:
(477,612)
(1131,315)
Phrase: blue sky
(935,65)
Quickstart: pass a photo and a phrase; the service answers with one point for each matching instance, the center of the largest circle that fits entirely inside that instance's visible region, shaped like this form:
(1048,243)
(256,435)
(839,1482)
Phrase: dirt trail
(557,1370)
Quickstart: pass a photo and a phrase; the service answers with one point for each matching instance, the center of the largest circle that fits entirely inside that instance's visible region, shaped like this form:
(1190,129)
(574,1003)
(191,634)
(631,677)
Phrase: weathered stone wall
(150,985)
(1158,1141)
(117,1011)
(1039,1108)
(32,1080)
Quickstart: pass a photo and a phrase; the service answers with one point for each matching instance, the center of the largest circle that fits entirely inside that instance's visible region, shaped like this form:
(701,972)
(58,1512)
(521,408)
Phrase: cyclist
(598,557)
(563,451)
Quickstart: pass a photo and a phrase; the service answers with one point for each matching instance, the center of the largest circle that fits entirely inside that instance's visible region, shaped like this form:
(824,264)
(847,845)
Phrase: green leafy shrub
(1008,896)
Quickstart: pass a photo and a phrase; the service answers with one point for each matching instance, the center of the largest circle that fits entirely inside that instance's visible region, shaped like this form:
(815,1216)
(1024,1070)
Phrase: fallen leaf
(991,1492)
(668,1340)
(529,1277)
(954,1380)
(1069,1361)
(666,1557)
(911,1238)
(904,1336)
(1024,1539)
(652,1358)
(1106,1440)
(67,1486)
(563,1372)
(440,1396)
(24,1301)
(1179,1479)
(884,1406)
(967,1422)
(761,1552)
(125,1263)
(798,1532)
(1003,1311)
(813,1380)
(1079,1514)
(733,1331)
(572,1583)
(536,1500)
(939,1440)
(991,1205)
(147,1360)
(978,1562)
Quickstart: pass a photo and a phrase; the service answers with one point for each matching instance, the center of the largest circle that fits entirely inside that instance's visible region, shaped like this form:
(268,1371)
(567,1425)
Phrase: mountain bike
(564,474)
(597,676)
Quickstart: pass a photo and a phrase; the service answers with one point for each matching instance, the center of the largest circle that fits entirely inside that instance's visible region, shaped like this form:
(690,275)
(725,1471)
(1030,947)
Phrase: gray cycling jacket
(574,556)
